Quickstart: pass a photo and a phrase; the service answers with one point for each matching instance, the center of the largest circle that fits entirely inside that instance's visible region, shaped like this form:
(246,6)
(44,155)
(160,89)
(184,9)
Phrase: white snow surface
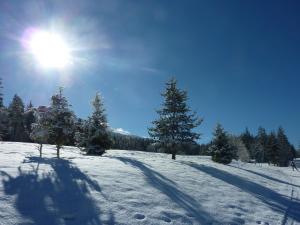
(131,187)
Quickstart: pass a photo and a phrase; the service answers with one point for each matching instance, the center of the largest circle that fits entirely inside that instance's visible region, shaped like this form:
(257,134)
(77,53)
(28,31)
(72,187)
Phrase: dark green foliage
(248,141)
(220,148)
(1,94)
(285,150)
(4,124)
(98,143)
(261,140)
(29,119)
(16,120)
(131,142)
(257,151)
(61,121)
(3,117)
(94,137)
(272,150)
(204,149)
(173,128)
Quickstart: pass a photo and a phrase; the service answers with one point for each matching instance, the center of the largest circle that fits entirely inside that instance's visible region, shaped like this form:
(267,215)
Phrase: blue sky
(239,60)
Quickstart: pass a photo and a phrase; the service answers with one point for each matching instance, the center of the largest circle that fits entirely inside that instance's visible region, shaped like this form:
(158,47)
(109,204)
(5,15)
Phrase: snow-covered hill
(128,187)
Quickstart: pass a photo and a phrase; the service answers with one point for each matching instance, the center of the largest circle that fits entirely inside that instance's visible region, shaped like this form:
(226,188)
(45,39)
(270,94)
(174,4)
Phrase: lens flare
(49,49)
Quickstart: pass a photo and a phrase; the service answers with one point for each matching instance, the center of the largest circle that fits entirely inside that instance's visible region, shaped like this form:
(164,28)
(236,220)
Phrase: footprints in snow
(238,219)
(139,216)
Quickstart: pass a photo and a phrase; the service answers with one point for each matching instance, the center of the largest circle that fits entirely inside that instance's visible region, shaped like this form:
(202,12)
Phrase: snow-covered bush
(239,149)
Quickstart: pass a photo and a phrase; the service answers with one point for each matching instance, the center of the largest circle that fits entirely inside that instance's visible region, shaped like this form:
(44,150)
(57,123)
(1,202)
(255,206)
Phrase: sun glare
(49,49)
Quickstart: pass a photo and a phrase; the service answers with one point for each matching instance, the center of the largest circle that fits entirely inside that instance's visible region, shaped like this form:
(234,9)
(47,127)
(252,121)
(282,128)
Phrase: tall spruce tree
(262,139)
(248,141)
(16,119)
(4,124)
(1,94)
(4,135)
(272,150)
(284,147)
(221,149)
(29,119)
(94,137)
(61,121)
(174,127)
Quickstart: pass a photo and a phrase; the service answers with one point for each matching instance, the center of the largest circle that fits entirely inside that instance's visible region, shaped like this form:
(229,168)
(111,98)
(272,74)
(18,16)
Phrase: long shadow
(59,197)
(273,199)
(168,188)
(266,176)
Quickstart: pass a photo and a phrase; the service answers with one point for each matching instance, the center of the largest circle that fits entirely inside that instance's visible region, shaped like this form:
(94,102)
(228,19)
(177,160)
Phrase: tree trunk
(41,147)
(57,152)
(173,155)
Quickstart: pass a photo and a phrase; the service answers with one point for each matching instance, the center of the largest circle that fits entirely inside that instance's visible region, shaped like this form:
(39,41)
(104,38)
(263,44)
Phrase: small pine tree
(39,132)
(94,136)
(173,128)
(29,119)
(239,150)
(60,121)
(221,149)
(16,119)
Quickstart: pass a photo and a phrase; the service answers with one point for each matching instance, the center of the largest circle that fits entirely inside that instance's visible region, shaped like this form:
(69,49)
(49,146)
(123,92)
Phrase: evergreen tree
(257,151)
(173,128)
(284,147)
(94,136)
(1,94)
(239,149)
(262,139)
(16,119)
(248,141)
(29,119)
(60,121)
(4,122)
(222,151)
(272,150)
(39,132)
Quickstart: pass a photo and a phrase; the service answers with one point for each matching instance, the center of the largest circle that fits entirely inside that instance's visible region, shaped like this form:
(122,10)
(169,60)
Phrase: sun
(49,49)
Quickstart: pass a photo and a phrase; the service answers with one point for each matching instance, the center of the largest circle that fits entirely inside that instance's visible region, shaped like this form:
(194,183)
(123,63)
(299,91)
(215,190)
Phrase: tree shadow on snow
(276,201)
(168,188)
(61,196)
(266,176)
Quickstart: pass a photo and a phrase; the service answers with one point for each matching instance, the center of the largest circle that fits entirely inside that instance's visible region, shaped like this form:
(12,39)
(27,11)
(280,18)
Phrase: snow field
(130,187)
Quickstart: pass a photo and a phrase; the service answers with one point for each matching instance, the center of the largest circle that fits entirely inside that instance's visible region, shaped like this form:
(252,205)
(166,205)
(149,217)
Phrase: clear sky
(239,60)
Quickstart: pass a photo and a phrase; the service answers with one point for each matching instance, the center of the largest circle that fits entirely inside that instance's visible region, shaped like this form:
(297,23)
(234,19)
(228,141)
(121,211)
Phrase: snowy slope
(128,187)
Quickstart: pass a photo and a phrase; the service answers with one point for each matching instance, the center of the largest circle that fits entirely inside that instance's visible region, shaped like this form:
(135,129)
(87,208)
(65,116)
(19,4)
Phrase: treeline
(58,124)
(172,132)
(262,147)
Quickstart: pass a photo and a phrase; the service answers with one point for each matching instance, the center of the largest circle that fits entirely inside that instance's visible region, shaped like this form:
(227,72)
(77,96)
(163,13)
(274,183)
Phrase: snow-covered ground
(129,187)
